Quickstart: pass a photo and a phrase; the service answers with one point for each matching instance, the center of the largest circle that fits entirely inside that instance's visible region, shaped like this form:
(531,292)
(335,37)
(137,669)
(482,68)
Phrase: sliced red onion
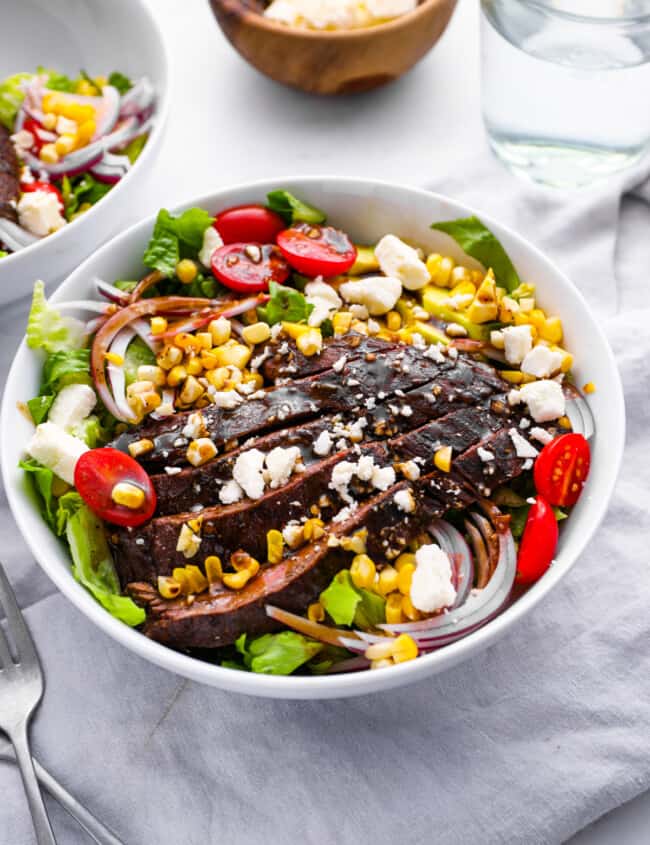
(95,324)
(168,397)
(352,664)
(73,164)
(452,542)
(132,130)
(143,330)
(110,292)
(116,375)
(579,412)
(137,99)
(109,110)
(86,305)
(111,168)
(197,321)
(479,608)
(322,633)
(14,236)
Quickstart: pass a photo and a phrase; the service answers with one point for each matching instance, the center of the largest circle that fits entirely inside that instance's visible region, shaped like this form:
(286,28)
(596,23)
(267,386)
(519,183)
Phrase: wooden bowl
(332,62)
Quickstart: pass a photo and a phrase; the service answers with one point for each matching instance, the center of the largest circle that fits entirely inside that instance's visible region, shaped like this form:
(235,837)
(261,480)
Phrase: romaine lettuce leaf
(11,97)
(173,235)
(67,366)
(120,81)
(293,209)
(57,81)
(41,479)
(137,354)
(47,329)
(341,598)
(371,610)
(39,407)
(285,304)
(277,654)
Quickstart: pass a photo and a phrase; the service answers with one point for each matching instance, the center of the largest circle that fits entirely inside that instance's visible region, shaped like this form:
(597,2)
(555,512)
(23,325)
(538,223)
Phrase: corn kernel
(204,340)
(512,376)
(114,358)
(197,581)
(274,546)
(213,570)
(209,359)
(193,365)
(100,82)
(590,387)
(200,451)
(255,378)
(394,609)
(150,400)
(48,154)
(310,343)
(442,458)
(294,330)
(158,325)
(140,447)
(387,581)
(316,612)
(293,536)
(404,578)
(393,321)
(405,648)
(169,588)
(85,88)
(552,330)
(139,387)
(186,341)
(527,304)
(405,559)
(86,130)
(217,377)
(186,271)
(169,357)
(237,580)
(241,560)
(220,330)
(256,333)
(64,144)
(356,543)
(233,354)
(188,542)
(362,571)
(127,494)
(411,613)
(564,422)
(440,268)
(380,650)
(359,326)
(313,529)
(190,391)
(151,373)
(341,322)
(234,377)
(180,576)
(250,317)
(176,375)
(49,121)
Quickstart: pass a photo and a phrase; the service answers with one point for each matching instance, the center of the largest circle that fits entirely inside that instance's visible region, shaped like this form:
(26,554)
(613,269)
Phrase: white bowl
(101,37)
(367,210)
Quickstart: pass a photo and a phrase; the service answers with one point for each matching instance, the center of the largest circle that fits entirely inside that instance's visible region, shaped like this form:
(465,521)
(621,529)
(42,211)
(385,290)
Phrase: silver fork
(21,689)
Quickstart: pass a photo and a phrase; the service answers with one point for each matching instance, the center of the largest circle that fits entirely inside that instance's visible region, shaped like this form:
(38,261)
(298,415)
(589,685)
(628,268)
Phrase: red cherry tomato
(249,224)
(249,267)
(95,476)
(317,250)
(28,187)
(561,469)
(538,542)
(33,126)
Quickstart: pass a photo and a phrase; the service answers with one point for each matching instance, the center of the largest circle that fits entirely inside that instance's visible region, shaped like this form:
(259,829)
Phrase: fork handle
(42,827)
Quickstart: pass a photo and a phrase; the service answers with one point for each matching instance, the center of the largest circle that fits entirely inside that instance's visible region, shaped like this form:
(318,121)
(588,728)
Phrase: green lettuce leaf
(285,304)
(518,517)
(11,97)
(41,480)
(92,431)
(67,366)
(39,407)
(478,241)
(47,329)
(57,81)
(92,565)
(277,654)
(173,235)
(137,354)
(120,81)
(293,209)
(134,148)
(80,190)
(371,610)
(341,598)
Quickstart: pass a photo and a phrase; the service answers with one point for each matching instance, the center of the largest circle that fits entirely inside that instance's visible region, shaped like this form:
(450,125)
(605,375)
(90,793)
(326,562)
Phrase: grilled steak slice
(358,382)
(218,616)
(9,171)
(486,475)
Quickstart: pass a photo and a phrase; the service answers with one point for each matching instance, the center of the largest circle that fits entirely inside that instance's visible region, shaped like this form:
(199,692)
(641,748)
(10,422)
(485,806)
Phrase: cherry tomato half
(317,250)
(249,224)
(538,542)
(249,267)
(561,469)
(95,476)
(28,187)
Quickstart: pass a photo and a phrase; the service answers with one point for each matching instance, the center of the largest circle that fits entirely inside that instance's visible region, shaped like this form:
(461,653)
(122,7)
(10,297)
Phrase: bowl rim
(150,148)
(256,19)
(324,686)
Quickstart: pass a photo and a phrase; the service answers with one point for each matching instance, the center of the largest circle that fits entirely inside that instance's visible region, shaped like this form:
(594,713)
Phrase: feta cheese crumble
(378,293)
(544,398)
(523,449)
(517,343)
(39,213)
(211,240)
(431,584)
(401,261)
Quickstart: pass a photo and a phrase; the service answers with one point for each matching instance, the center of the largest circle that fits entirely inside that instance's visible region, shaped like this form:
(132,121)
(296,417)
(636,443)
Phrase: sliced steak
(486,475)
(9,173)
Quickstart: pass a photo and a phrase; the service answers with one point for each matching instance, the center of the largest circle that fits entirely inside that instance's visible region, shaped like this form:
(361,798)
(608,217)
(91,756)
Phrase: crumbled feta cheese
(484,454)
(523,449)
(195,426)
(342,475)
(524,423)
(211,240)
(541,361)
(434,353)
(514,398)
(517,343)
(59,451)
(230,492)
(541,435)
(359,312)
(323,444)
(383,477)
(410,470)
(544,398)
(172,470)
(382,10)
(338,365)
(401,261)
(39,213)
(404,500)
(227,399)
(280,463)
(73,404)
(324,299)
(346,512)
(247,472)
(378,293)
(406,411)
(431,585)
(365,467)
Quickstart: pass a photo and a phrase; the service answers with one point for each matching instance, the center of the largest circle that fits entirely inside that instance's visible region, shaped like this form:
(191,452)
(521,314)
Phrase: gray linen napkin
(527,743)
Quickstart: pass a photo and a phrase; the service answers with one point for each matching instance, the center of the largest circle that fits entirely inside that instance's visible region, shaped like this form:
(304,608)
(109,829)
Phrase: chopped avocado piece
(404,308)
(434,300)
(366,261)
(431,333)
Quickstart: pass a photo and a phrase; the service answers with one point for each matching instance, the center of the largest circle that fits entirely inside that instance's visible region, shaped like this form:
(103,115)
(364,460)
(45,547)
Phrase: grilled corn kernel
(220,330)
(186,271)
(114,358)
(158,325)
(196,579)
(356,543)
(233,354)
(180,576)
(257,333)
(169,588)
(380,650)
(217,377)
(254,378)
(564,422)
(552,330)
(188,542)
(213,569)
(341,322)
(405,648)
(293,536)
(48,154)
(193,365)
(274,545)
(440,268)
(64,144)
(362,571)
(149,401)
(294,330)
(387,580)
(191,391)
(85,131)
(393,321)
(237,580)
(313,529)
(310,343)
(209,360)
(200,451)
(139,387)
(203,340)
(241,560)
(234,377)
(590,387)
(404,578)
(176,375)
(186,341)
(127,494)
(316,612)
(460,275)
(140,447)
(169,357)
(411,613)
(442,458)
(405,559)
(152,373)
(394,609)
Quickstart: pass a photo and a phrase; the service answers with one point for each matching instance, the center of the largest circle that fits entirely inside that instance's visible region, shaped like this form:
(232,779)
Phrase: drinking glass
(566,86)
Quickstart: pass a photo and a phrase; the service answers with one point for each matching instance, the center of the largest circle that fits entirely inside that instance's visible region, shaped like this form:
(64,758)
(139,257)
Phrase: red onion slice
(352,664)
(86,305)
(137,99)
(116,375)
(74,163)
(14,236)
(322,633)
(579,412)
(199,320)
(110,292)
(111,168)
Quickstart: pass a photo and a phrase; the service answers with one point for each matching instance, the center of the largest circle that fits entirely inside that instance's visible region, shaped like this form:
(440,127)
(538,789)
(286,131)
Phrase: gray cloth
(527,743)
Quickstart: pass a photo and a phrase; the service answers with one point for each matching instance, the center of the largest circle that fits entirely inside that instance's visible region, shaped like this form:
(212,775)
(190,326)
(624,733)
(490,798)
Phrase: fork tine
(6,660)
(19,631)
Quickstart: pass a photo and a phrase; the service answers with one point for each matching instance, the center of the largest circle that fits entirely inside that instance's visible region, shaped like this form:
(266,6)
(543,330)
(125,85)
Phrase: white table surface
(229,124)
